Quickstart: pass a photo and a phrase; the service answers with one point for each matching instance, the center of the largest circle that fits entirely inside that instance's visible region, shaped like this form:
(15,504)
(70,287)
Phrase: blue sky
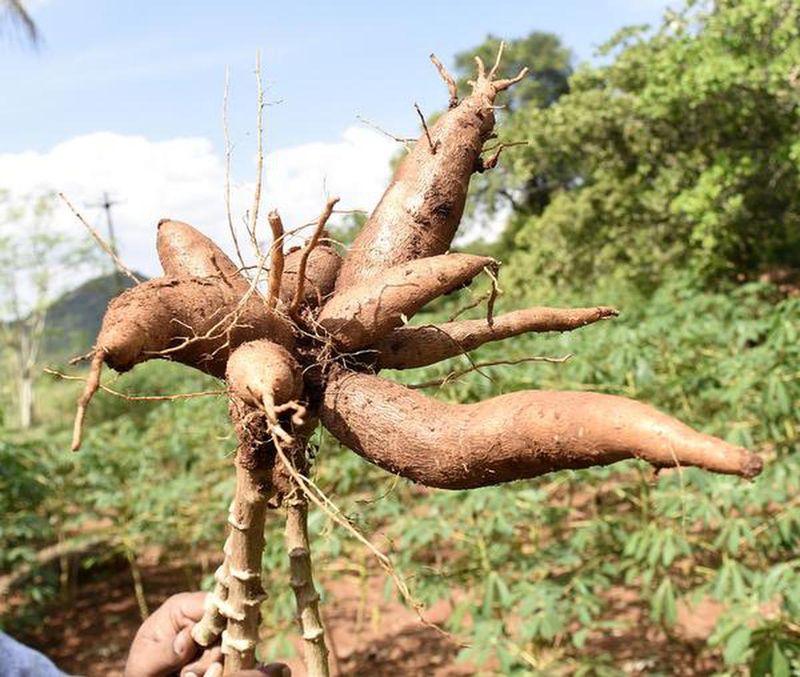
(157,68)
(126,96)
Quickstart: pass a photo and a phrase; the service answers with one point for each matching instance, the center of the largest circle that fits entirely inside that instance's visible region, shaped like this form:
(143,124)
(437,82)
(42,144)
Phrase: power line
(106,204)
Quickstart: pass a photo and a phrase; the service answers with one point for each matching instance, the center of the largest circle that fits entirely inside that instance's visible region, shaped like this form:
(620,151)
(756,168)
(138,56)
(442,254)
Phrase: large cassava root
(511,437)
(185,252)
(288,362)
(409,347)
(264,374)
(195,321)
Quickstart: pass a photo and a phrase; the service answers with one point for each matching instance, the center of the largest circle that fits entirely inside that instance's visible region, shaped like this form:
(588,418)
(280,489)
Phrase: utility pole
(107,203)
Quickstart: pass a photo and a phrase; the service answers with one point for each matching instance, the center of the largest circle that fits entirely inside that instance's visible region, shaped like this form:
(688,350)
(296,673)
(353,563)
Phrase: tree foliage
(680,150)
(34,257)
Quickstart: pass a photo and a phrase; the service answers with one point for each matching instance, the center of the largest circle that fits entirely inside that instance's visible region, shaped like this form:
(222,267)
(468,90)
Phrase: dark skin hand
(163,645)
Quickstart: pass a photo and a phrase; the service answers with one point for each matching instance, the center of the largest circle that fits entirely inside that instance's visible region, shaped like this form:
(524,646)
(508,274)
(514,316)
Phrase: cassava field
(570,450)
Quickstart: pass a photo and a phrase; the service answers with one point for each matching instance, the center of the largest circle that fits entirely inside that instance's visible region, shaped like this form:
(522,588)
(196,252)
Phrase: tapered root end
(752,467)
(450,81)
(711,454)
(487,82)
(606,312)
(530,433)
(92,384)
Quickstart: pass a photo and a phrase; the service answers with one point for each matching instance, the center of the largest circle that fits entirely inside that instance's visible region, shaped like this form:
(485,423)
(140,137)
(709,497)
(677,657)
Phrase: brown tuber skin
(420,211)
(195,321)
(359,316)
(410,347)
(185,252)
(321,271)
(154,318)
(264,374)
(288,363)
(511,437)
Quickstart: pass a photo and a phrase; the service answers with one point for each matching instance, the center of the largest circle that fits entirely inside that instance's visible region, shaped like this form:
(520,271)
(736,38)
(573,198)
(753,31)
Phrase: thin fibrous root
(309,247)
(477,366)
(452,87)
(328,507)
(276,258)
(107,248)
(497,60)
(84,357)
(228,153)
(493,271)
(486,165)
(92,384)
(487,81)
(253,221)
(433,146)
(131,397)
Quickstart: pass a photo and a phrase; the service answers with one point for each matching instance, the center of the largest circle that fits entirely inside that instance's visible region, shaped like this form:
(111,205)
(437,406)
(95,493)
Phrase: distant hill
(73,319)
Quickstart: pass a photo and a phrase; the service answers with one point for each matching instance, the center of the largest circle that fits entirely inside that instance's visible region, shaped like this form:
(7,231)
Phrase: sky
(126,96)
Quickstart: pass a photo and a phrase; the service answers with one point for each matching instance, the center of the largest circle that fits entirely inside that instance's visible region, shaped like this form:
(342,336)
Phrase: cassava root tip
(92,384)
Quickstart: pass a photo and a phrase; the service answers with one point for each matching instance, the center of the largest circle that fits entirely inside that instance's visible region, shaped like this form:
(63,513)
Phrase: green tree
(32,257)
(681,151)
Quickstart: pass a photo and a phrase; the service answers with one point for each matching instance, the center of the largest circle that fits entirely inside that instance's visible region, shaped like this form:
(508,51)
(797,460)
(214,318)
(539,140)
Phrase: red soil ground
(90,634)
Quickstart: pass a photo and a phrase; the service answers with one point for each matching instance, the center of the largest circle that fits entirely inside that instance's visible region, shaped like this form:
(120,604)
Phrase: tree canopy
(680,150)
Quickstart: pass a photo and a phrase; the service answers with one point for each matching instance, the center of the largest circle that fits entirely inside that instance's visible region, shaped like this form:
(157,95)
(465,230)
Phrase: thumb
(183,646)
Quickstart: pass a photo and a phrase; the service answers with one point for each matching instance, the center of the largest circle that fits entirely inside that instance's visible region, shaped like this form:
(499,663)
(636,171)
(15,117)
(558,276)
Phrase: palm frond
(18,14)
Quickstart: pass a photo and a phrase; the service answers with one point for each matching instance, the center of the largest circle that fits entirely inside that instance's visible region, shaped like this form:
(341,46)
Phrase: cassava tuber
(185,252)
(418,346)
(195,321)
(360,315)
(420,211)
(511,437)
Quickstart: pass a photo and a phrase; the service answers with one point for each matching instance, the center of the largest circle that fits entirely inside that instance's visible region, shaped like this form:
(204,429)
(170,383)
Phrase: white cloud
(183,179)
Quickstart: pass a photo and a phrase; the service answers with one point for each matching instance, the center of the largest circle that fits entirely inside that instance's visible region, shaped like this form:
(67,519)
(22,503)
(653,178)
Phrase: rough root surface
(511,437)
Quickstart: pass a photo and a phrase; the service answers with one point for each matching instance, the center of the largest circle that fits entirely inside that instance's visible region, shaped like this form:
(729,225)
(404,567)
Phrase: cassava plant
(308,352)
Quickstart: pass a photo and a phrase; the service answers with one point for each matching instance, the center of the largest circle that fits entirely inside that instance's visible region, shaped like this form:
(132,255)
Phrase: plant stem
(302,581)
(138,587)
(213,622)
(243,551)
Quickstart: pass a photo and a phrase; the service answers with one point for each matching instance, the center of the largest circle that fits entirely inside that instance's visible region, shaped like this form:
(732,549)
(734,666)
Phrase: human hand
(163,644)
